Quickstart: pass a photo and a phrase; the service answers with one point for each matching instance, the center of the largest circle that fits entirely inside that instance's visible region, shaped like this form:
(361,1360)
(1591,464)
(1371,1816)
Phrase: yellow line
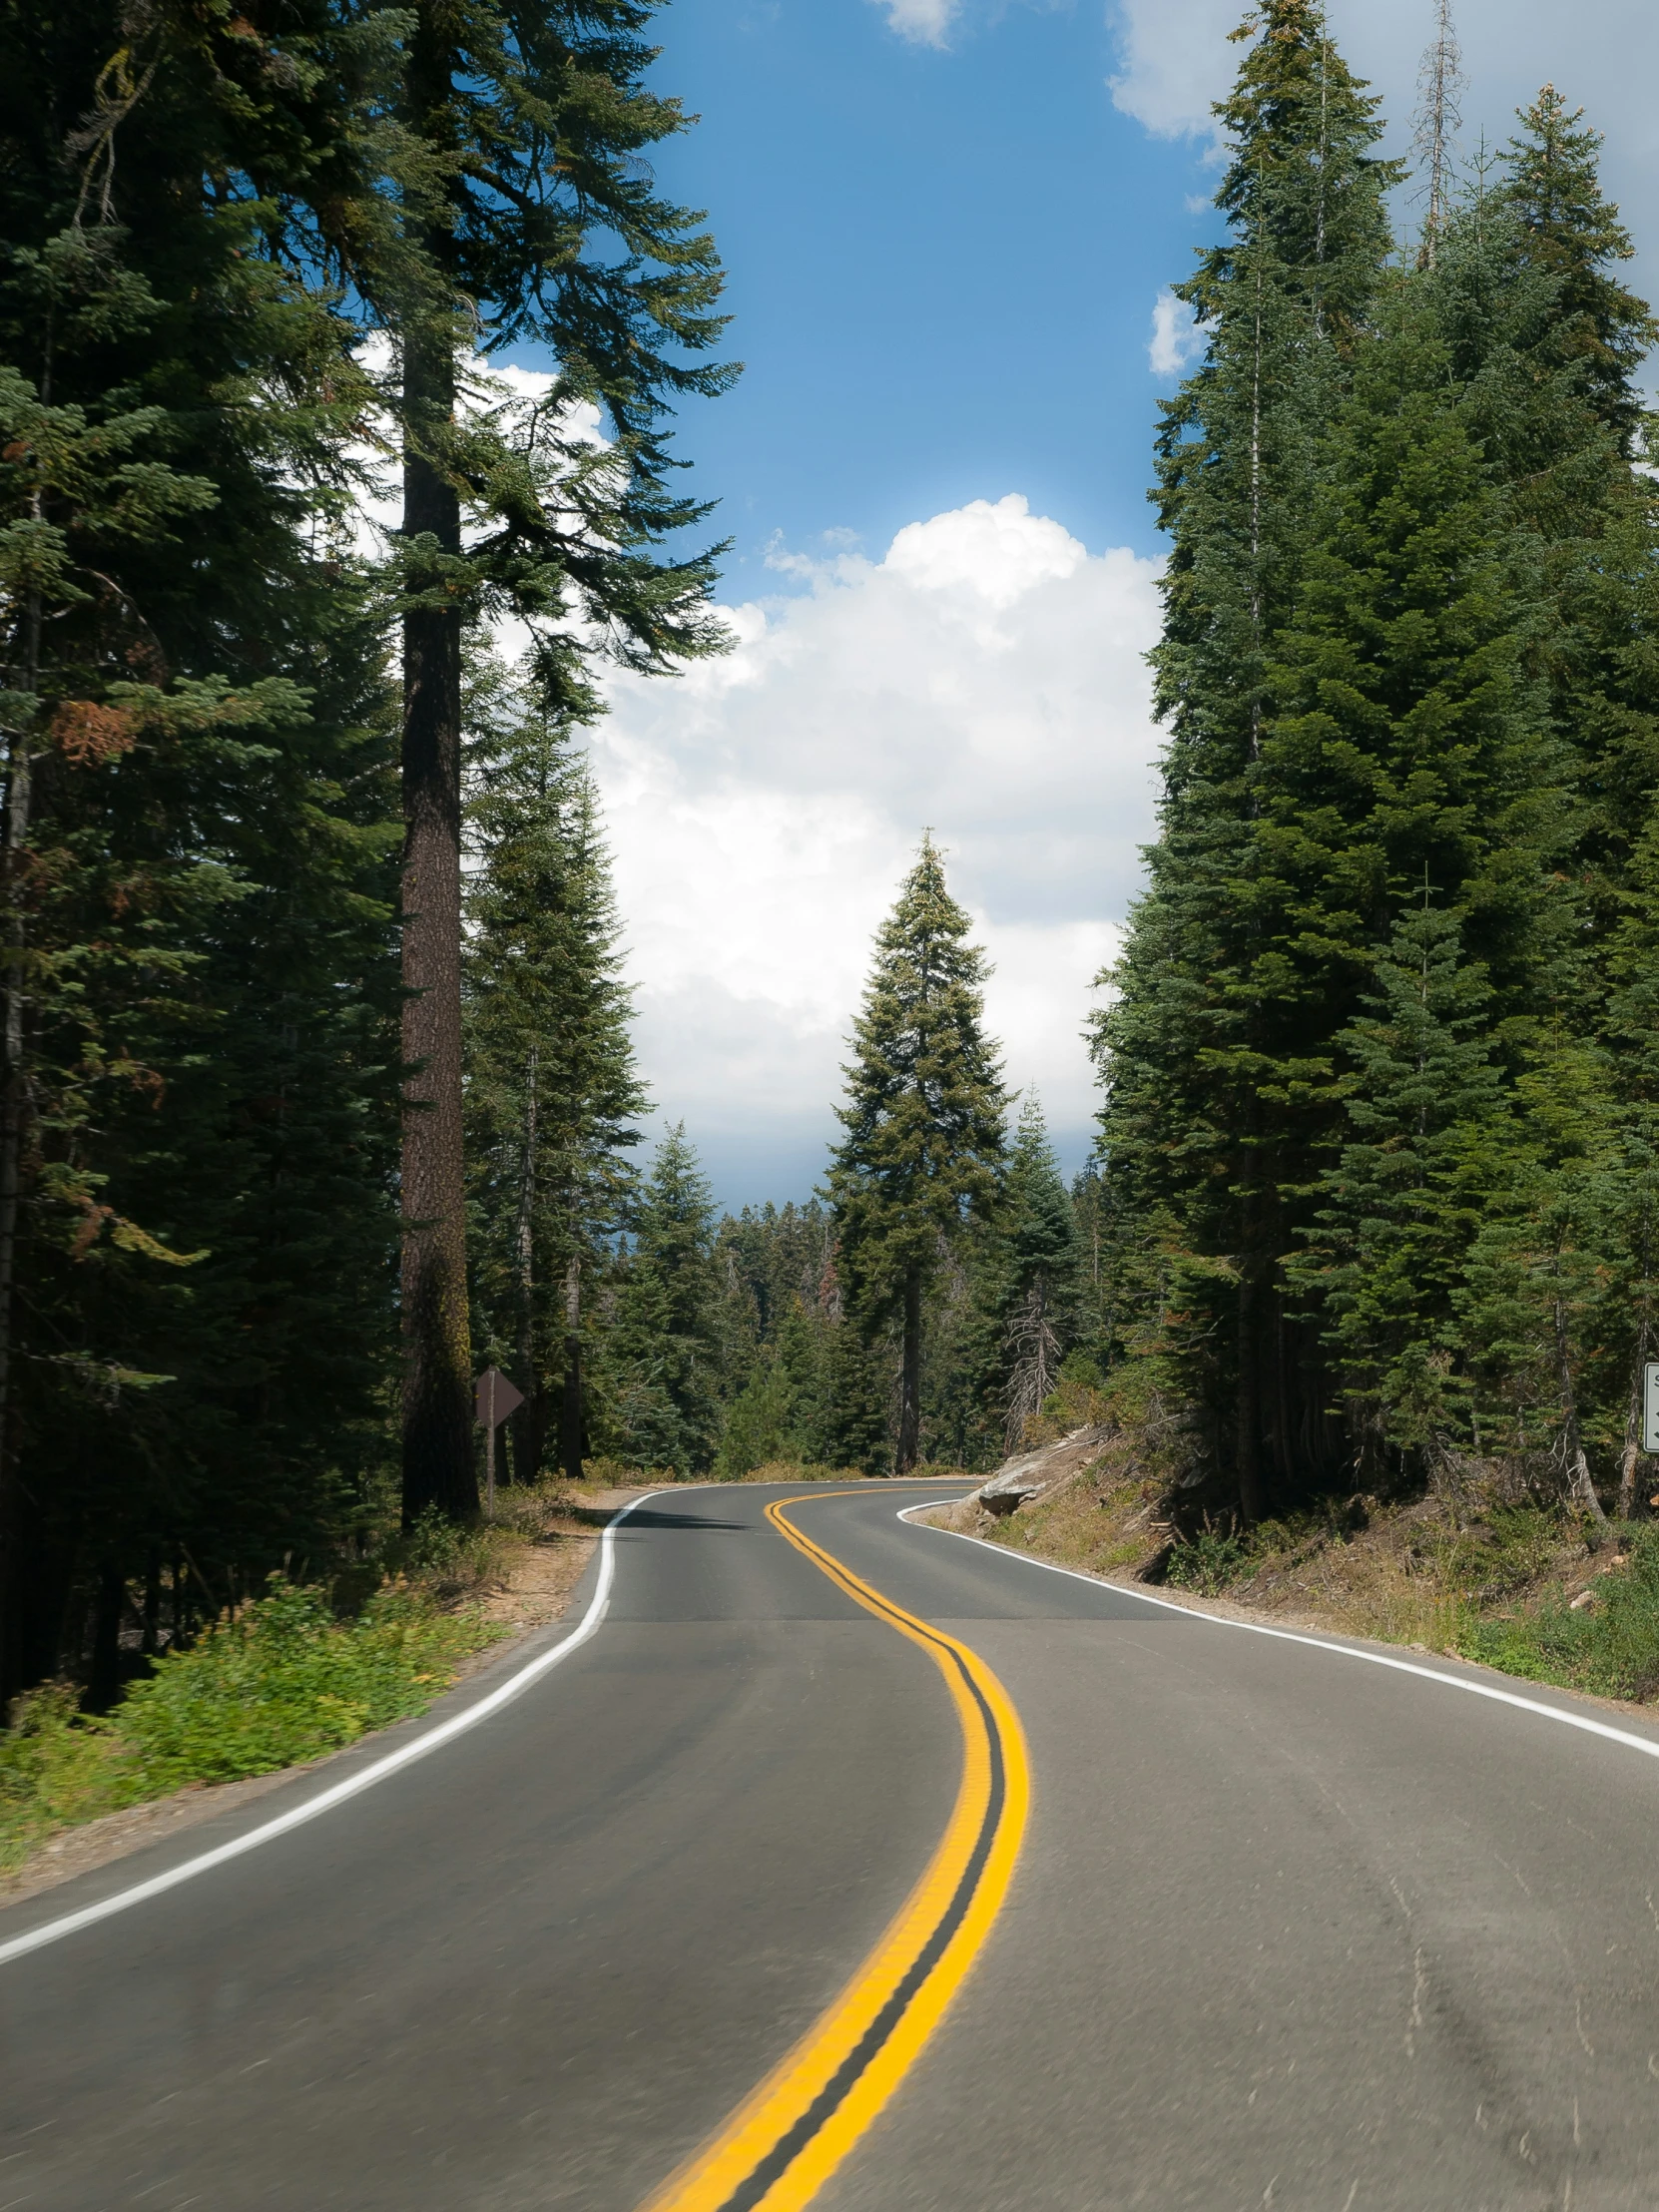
(782,2102)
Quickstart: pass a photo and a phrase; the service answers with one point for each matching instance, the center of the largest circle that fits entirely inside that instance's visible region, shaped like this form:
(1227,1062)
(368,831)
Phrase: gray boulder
(1035,1472)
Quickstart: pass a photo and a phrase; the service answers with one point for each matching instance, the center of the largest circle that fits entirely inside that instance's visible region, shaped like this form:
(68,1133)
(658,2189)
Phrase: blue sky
(942,268)
(946,225)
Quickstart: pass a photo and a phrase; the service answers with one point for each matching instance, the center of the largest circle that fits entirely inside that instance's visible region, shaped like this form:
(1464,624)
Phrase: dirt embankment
(1467,1580)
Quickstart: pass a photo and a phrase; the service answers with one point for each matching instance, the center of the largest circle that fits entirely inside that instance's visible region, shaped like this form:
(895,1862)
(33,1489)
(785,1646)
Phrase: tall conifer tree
(923,1122)
(522,175)
(1206,1032)
(1427,1111)
(1039,1271)
(664,1347)
(197,887)
(552,1095)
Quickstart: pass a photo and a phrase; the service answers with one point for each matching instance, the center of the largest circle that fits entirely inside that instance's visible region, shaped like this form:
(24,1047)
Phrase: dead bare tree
(1034,1342)
(1441,85)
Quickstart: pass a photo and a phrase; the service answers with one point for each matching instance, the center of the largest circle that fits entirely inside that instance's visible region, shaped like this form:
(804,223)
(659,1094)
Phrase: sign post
(1650,1407)
(495,1398)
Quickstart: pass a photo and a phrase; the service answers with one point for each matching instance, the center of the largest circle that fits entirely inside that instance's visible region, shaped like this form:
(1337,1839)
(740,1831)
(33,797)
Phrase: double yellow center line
(787,2138)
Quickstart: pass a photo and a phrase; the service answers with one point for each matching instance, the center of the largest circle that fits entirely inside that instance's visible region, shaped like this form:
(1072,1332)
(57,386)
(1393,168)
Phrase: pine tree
(1426,1107)
(529,214)
(922,1122)
(848,1426)
(1039,1237)
(1631,1036)
(1537,1277)
(1600,329)
(760,1424)
(552,1094)
(665,1344)
(1208,1027)
(198,880)
(1565,424)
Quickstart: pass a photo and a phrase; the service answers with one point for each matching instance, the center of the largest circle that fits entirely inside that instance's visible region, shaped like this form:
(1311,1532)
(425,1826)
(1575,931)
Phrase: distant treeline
(925,1305)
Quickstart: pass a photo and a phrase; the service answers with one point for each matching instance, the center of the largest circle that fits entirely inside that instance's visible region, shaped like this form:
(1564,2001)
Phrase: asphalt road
(1288,1930)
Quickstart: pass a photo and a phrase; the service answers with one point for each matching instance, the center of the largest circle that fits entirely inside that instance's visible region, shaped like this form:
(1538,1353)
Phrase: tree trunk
(151,1642)
(438,1357)
(909,1377)
(105,1686)
(14,1114)
(1579,1484)
(1252,1497)
(1631,1458)
(527,1422)
(1629,1464)
(570,1401)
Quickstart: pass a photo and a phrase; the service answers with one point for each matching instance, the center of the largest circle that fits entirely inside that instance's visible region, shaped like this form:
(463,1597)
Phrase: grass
(1610,1647)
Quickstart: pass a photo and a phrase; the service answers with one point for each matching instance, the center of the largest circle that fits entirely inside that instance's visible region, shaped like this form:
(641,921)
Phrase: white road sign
(1650,1407)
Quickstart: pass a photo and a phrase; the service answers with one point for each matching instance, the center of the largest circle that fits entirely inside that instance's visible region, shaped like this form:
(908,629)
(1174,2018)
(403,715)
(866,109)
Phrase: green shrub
(282,1681)
(285,1682)
(1610,1648)
(1208,1562)
(56,1771)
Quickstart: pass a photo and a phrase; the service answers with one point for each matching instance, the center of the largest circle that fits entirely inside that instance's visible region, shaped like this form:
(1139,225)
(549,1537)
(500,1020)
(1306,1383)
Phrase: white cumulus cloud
(985,679)
(925,22)
(1176,62)
(1175,337)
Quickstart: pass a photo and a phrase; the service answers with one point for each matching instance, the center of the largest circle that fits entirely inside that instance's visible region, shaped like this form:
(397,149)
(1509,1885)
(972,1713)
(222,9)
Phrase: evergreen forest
(320,1090)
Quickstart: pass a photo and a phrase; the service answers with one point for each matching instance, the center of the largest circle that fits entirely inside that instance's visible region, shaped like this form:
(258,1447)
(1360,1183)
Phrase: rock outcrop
(1035,1472)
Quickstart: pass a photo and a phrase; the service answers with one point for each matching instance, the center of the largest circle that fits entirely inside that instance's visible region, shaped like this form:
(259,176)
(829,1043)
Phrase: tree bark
(570,1401)
(527,1422)
(151,1642)
(105,1686)
(1248,1449)
(1630,1463)
(14,1115)
(1580,1486)
(437,1355)
(909,1377)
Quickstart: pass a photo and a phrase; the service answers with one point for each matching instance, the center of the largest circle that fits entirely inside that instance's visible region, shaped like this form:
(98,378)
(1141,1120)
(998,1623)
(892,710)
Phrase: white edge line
(1645,1744)
(51,1931)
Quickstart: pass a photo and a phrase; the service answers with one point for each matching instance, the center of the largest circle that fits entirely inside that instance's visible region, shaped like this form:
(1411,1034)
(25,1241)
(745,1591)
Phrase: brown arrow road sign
(496,1398)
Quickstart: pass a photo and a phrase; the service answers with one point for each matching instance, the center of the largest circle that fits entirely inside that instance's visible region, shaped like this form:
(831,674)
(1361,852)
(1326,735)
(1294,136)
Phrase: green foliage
(1039,1273)
(923,1142)
(1610,1648)
(283,1681)
(758,1424)
(280,1682)
(552,1092)
(1376,1191)
(1208,1562)
(201,858)
(665,1346)
(56,1771)
(1427,1109)
(1598,330)
(923,1117)
(204,217)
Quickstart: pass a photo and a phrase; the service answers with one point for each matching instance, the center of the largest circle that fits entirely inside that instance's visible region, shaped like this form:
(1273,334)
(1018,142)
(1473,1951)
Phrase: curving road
(1288,1928)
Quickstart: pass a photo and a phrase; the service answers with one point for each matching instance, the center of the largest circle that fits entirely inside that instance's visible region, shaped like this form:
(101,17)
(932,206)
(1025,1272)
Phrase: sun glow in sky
(950,227)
